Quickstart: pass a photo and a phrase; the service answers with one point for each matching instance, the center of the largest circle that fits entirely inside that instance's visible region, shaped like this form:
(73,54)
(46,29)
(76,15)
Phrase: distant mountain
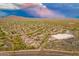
(24,18)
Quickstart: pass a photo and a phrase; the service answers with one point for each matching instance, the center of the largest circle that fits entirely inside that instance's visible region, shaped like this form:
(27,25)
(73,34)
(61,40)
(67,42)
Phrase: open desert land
(29,36)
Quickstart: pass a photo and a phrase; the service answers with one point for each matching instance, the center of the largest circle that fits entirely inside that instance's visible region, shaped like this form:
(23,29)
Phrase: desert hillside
(18,33)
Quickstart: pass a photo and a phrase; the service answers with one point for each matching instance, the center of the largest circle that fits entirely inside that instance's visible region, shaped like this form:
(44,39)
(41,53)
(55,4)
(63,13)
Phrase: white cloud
(40,10)
(8,6)
(41,5)
(37,9)
(17,5)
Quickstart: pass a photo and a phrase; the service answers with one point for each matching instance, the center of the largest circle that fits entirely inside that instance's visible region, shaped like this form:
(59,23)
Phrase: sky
(40,10)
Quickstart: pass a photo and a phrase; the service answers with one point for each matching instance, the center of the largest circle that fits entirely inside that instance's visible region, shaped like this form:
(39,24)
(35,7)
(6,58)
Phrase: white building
(61,36)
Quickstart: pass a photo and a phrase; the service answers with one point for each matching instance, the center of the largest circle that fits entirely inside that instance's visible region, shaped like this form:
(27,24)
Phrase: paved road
(38,53)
